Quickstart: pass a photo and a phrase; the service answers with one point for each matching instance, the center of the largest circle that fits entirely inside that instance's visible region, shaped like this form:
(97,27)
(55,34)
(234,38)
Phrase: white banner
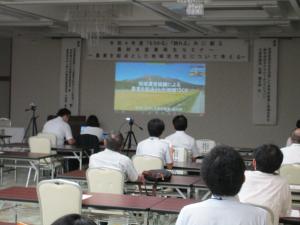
(183,50)
(69,74)
(265,81)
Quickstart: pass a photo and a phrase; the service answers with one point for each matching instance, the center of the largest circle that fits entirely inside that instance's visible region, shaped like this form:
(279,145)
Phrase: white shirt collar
(228,198)
(153,138)
(180,131)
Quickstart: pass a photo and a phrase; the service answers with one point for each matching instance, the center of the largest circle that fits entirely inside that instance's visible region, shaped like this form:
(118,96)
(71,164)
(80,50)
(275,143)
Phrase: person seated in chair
(181,139)
(264,186)
(111,158)
(93,127)
(291,153)
(154,146)
(289,140)
(73,219)
(60,127)
(223,172)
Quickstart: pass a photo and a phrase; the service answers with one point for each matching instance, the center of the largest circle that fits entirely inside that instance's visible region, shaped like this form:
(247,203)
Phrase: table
(290,220)
(32,158)
(165,212)
(201,186)
(97,200)
(116,201)
(177,182)
(77,151)
(171,205)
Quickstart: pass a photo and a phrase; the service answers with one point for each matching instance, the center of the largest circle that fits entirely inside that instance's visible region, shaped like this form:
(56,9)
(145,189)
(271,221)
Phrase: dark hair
(92,121)
(223,171)
(180,122)
(296,136)
(73,219)
(298,124)
(268,158)
(114,141)
(155,127)
(64,111)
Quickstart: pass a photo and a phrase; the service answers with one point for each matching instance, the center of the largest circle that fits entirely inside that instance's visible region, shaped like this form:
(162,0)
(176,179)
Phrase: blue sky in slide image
(180,71)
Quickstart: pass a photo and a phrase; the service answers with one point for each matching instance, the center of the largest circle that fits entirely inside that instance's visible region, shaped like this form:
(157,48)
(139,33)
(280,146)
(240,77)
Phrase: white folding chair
(42,145)
(50,136)
(146,162)
(292,173)
(205,145)
(58,198)
(105,180)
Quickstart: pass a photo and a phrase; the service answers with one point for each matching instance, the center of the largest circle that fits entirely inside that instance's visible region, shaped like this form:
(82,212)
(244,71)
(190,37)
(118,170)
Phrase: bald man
(291,154)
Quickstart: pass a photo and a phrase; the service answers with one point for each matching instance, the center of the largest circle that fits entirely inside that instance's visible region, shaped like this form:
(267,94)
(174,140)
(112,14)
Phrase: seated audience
(182,139)
(93,127)
(223,172)
(73,219)
(291,154)
(60,127)
(289,140)
(111,158)
(264,186)
(154,146)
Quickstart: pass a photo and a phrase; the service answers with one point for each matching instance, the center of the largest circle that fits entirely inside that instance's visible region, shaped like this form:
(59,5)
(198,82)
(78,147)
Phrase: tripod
(32,123)
(130,134)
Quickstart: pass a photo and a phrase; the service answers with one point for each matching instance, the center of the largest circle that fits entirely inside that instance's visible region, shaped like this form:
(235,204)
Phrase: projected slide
(160,87)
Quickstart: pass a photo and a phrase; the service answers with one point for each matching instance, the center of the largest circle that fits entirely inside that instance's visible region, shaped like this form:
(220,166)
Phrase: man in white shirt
(291,153)
(60,127)
(111,158)
(264,186)
(154,146)
(223,172)
(181,139)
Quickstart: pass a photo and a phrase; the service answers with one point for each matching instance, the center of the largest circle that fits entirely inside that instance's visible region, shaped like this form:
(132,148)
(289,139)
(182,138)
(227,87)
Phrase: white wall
(228,117)
(35,78)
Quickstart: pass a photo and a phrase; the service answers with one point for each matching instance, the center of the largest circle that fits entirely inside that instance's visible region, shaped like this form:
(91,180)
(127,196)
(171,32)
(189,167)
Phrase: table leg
(180,193)
(80,160)
(1,171)
(36,167)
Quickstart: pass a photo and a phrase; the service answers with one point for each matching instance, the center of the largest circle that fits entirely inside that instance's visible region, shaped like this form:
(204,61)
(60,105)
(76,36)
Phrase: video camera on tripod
(32,107)
(32,122)
(130,133)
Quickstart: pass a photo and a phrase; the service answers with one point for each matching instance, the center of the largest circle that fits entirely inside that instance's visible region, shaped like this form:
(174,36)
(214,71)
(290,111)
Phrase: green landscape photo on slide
(160,87)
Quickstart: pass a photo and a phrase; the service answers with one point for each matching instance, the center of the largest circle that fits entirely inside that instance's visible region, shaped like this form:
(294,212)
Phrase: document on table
(86,196)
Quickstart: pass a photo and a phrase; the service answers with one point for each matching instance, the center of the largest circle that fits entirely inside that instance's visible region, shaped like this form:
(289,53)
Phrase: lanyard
(217,197)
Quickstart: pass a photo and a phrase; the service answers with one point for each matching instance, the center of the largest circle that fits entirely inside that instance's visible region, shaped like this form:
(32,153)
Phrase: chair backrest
(291,172)
(51,137)
(5,122)
(39,145)
(180,154)
(88,141)
(205,145)
(105,180)
(146,162)
(58,198)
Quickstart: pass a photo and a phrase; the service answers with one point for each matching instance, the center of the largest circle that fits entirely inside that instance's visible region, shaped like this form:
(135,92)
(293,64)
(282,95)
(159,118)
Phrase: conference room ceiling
(157,18)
